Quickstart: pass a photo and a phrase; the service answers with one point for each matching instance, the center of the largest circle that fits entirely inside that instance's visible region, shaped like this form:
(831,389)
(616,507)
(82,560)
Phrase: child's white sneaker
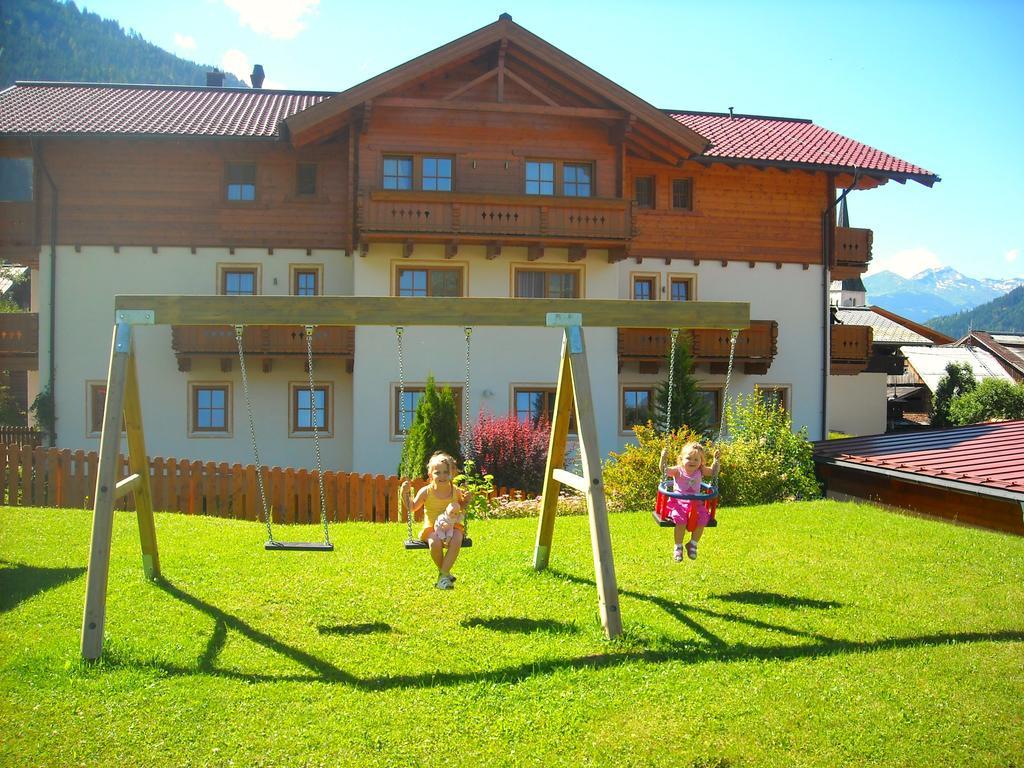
(677,553)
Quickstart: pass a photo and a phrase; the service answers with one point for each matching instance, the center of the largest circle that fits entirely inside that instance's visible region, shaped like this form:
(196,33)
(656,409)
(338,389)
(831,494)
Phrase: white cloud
(906,263)
(277,19)
(184,41)
(237,63)
(1012,254)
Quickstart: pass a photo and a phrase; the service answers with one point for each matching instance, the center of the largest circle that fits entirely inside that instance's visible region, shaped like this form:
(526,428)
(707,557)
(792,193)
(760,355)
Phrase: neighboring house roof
(981,458)
(46,109)
(795,143)
(1008,347)
(929,363)
(884,330)
(924,330)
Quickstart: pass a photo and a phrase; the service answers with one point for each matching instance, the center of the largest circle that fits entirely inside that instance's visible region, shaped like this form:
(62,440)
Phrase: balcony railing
(756,346)
(852,253)
(850,349)
(266,341)
(19,341)
(572,219)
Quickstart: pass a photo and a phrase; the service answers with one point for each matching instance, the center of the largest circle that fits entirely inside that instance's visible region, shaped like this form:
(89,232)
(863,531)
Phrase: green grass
(812,634)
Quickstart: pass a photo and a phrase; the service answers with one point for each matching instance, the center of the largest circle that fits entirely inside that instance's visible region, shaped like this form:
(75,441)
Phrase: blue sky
(939,83)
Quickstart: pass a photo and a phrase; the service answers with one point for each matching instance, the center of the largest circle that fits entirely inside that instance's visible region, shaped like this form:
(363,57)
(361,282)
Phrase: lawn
(811,634)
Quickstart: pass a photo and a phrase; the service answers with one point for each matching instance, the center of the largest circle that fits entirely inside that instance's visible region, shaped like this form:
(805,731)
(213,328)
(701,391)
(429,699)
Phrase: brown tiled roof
(794,143)
(989,456)
(101,109)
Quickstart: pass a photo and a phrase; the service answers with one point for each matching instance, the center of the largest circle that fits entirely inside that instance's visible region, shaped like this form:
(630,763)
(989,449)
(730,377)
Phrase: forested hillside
(51,40)
(1005,314)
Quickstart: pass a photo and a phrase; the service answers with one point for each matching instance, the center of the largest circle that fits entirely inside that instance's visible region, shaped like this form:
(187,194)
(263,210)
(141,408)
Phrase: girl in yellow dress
(443,515)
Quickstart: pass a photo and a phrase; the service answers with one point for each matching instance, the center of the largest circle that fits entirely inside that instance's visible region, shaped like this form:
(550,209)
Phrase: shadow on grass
(519,625)
(19,582)
(693,652)
(371,628)
(775,599)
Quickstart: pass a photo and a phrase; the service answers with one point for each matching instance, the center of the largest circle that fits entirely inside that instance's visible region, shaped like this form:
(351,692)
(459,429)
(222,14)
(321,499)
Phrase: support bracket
(572,322)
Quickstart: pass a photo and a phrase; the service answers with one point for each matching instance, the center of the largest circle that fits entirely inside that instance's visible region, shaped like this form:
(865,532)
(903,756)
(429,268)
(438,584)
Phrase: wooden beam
(503,48)
(493,250)
(400,102)
(451,248)
(407,249)
(530,89)
(568,478)
(577,253)
(364,117)
(432,310)
(534,252)
(126,486)
(471,84)
(138,464)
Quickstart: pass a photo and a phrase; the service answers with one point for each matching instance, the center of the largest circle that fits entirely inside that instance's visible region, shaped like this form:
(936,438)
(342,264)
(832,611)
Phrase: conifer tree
(435,427)
(688,406)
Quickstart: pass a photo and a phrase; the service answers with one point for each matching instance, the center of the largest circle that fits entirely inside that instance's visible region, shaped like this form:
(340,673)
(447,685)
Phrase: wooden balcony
(19,341)
(17,234)
(852,252)
(502,219)
(756,347)
(850,349)
(265,342)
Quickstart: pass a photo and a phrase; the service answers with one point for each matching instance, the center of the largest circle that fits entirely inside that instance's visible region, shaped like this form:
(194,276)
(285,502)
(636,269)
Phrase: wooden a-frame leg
(556,457)
(138,464)
(103,497)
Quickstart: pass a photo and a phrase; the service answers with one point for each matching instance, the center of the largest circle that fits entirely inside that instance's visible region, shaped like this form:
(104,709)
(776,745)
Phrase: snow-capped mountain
(933,292)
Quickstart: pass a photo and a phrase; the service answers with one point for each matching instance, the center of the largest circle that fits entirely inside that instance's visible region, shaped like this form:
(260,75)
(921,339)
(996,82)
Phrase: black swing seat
(299,546)
(421,544)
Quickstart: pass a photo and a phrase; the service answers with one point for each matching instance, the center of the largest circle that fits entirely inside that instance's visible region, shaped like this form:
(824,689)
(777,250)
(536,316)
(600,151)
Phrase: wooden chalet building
(496,165)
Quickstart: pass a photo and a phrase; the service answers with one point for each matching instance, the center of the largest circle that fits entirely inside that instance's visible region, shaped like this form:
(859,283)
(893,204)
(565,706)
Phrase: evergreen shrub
(435,427)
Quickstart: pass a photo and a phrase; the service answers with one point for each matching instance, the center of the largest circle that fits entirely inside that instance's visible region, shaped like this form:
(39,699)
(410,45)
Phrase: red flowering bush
(514,452)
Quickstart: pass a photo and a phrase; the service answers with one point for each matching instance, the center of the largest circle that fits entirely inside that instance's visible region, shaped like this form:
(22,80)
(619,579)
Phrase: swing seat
(299,546)
(421,544)
(708,494)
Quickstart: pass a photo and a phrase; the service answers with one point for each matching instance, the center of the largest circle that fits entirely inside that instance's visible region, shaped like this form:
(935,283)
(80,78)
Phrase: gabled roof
(883,329)
(1009,348)
(929,363)
(794,143)
(982,458)
(47,109)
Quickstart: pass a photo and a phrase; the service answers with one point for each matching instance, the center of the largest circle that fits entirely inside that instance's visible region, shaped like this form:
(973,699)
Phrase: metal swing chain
(316,432)
(728,376)
(671,382)
(264,511)
(465,424)
(399,331)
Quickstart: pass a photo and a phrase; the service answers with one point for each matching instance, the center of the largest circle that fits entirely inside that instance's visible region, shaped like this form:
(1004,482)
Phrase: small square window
(305,179)
(241,182)
(311,412)
(644,191)
(211,409)
(775,396)
(645,288)
(238,281)
(576,180)
(713,399)
(682,194)
(540,178)
(637,407)
(681,289)
(16,179)
(536,404)
(397,173)
(437,174)
(404,410)
(305,281)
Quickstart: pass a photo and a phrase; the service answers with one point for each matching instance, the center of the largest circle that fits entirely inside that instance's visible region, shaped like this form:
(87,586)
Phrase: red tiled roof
(988,455)
(84,108)
(792,142)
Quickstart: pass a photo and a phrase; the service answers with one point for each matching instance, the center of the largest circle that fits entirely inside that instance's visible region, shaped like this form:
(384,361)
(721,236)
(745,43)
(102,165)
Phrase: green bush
(764,461)
(959,380)
(991,400)
(434,428)
(689,408)
(631,478)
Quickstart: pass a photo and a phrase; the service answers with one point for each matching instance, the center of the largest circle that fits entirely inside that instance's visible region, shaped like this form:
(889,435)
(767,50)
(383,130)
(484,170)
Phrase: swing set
(573,394)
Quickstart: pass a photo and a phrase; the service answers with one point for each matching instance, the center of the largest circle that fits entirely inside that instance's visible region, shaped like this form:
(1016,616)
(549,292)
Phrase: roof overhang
(920,479)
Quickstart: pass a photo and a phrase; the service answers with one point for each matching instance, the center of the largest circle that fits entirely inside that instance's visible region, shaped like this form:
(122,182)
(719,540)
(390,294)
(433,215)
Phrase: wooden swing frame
(573,394)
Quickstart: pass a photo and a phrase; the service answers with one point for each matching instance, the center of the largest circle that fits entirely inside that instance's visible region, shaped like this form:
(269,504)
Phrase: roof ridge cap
(169,87)
(738,114)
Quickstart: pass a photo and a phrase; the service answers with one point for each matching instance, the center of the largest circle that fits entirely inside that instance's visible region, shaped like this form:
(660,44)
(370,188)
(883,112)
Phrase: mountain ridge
(934,292)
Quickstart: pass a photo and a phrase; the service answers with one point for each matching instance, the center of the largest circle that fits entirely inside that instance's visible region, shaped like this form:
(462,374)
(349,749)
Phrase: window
(637,407)
(681,288)
(778,396)
(306,280)
(540,178)
(241,181)
(406,408)
(437,174)
(547,284)
(397,173)
(644,191)
(301,419)
(713,398)
(576,179)
(682,194)
(239,281)
(645,287)
(432,281)
(15,179)
(211,409)
(305,179)
(535,404)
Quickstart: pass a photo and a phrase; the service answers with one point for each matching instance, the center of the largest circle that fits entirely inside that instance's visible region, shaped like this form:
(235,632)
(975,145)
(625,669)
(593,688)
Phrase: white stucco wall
(87,282)
(856,404)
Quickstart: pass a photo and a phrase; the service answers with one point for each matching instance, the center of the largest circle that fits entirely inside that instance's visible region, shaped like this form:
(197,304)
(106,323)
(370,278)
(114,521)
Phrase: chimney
(215,79)
(257,76)
(730,113)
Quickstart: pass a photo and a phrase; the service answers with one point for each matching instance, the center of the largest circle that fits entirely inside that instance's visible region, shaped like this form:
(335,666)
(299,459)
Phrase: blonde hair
(693,445)
(441,458)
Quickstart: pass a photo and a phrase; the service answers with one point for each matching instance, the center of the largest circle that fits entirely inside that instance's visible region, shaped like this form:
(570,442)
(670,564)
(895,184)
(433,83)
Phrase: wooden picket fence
(20,436)
(51,477)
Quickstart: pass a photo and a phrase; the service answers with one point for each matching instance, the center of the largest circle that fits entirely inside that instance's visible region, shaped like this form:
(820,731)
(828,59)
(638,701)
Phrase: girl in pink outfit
(688,514)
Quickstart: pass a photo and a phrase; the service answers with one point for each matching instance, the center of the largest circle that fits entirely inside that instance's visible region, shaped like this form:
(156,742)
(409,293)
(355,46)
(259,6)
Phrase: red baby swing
(708,491)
